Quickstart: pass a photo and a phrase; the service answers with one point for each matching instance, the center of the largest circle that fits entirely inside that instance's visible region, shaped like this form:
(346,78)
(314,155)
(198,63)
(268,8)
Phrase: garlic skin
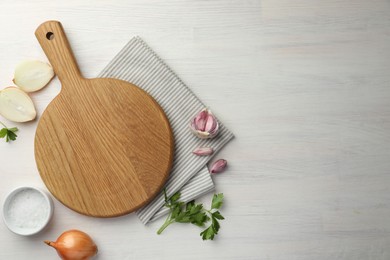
(202,151)
(16,105)
(204,125)
(32,75)
(219,166)
(74,245)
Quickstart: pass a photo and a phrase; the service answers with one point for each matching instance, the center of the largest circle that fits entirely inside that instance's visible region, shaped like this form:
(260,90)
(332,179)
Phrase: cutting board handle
(52,38)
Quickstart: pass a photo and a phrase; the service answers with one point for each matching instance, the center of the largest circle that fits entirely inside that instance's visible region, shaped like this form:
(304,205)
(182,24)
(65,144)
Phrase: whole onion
(74,245)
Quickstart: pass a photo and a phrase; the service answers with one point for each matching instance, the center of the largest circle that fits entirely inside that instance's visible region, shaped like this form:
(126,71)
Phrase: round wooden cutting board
(103,147)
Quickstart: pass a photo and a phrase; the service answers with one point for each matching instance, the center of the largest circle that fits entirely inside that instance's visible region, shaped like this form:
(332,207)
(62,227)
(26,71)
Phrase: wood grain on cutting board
(103,147)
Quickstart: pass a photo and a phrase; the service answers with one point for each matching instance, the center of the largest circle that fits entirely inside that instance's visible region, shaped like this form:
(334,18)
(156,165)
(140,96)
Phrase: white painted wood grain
(304,85)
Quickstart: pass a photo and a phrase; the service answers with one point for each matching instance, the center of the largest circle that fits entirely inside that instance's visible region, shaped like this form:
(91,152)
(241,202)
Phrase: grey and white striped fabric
(140,65)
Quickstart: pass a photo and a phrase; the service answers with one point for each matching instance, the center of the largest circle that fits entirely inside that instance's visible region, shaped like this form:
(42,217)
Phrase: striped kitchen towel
(140,65)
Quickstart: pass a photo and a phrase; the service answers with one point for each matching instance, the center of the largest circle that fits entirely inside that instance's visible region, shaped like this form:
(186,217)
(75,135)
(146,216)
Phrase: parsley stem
(3,124)
(167,222)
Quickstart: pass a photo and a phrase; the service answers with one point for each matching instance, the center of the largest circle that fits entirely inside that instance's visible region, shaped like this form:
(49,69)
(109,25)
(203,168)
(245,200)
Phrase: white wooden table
(304,85)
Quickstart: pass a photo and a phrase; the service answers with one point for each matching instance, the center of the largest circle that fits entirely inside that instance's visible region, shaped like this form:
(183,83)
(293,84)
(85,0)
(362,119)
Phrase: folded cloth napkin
(139,64)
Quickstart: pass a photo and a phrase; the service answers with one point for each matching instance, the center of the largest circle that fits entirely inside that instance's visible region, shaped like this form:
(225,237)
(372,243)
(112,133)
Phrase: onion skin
(74,245)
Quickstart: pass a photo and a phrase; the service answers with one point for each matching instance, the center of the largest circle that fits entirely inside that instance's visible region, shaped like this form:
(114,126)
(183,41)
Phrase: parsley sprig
(8,133)
(195,214)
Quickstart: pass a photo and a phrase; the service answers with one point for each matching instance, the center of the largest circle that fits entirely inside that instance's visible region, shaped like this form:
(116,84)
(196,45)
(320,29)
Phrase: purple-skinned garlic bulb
(218,166)
(204,125)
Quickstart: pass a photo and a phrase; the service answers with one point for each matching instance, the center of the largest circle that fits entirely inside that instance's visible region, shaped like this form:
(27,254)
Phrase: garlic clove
(210,123)
(219,166)
(201,151)
(16,105)
(201,120)
(214,131)
(32,75)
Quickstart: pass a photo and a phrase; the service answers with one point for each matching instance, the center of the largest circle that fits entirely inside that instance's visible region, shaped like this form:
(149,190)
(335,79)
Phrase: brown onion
(74,245)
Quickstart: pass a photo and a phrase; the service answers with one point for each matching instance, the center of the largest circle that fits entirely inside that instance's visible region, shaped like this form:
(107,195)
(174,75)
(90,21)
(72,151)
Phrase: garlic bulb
(204,125)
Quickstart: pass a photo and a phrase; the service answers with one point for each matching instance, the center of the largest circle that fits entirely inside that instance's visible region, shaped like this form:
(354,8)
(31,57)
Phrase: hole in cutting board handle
(50,36)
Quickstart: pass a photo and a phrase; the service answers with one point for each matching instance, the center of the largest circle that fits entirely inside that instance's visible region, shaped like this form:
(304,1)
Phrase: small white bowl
(27,210)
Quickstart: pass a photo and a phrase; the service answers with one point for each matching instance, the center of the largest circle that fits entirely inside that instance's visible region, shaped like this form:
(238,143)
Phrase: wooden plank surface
(303,84)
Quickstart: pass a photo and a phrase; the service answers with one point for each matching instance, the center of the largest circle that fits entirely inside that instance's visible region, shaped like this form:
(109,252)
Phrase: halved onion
(32,75)
(16,105)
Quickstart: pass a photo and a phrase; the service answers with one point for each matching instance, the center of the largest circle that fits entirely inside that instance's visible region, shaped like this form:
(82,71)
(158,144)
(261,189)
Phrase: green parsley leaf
(8,133)
(200,219)
(176,211)
(217,215)
(208,234)
(175,197)
(212,230)
(217,201)
(190,205)
(195,209)
(11,136)
(13,129)
(215,225)
(3,132)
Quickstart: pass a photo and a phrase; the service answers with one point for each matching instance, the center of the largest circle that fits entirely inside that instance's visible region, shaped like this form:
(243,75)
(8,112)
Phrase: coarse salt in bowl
(27,210)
